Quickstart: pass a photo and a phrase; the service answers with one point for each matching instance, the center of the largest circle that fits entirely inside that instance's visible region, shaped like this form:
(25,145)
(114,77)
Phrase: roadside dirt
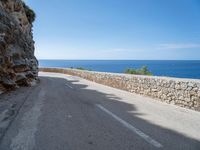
(10,104)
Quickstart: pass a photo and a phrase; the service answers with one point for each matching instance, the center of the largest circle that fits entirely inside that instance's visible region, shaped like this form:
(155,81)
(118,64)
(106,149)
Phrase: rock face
(181,92)
(18,65)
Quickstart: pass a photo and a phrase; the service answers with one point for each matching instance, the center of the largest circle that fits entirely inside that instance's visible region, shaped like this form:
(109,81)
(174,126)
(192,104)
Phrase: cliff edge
(18,65)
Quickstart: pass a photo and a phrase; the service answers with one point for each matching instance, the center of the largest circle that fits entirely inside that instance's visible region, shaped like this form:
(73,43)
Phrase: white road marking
(132,128)
(69,86)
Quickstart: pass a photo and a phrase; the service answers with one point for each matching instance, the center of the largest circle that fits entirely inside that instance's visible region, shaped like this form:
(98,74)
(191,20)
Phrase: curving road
(69,113)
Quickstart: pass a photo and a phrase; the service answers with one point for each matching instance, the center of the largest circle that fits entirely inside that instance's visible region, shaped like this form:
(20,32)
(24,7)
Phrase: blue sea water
(171,68)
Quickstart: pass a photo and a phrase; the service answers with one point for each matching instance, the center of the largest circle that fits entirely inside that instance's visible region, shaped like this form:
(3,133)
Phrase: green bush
(142,71)
(29,13)
(81,68)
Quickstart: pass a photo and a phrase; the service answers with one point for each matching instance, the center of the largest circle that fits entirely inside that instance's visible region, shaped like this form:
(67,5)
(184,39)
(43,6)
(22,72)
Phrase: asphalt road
(68,113)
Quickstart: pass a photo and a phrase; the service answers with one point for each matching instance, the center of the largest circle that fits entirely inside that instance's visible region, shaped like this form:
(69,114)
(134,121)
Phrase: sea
(169,68)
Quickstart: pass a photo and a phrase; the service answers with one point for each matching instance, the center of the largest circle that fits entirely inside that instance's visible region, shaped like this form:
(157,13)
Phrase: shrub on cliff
(142,71)
(29,13)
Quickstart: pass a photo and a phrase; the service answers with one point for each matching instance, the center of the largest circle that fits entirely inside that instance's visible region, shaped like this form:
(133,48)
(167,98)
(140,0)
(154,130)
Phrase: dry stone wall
(181,92)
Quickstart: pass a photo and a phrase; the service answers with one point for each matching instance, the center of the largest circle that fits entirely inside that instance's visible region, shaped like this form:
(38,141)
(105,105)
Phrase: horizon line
(123,59)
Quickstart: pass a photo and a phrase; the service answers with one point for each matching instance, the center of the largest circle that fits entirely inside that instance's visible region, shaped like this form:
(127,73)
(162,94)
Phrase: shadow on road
(168,138)
(85,98)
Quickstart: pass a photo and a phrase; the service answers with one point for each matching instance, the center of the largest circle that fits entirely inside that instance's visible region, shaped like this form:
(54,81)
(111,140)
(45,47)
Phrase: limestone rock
(18,65)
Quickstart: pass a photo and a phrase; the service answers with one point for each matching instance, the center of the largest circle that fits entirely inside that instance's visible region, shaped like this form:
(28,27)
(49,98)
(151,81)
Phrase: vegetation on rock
(142,71)
(29,13)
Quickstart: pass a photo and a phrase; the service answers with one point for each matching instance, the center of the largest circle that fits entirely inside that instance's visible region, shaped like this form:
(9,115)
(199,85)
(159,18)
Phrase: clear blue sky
(117,29)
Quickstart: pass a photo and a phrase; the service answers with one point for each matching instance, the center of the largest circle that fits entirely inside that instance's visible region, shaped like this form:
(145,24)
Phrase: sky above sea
(117,29)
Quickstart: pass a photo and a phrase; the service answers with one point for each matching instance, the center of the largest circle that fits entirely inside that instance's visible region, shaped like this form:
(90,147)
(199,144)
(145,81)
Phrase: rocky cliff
(18,65)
